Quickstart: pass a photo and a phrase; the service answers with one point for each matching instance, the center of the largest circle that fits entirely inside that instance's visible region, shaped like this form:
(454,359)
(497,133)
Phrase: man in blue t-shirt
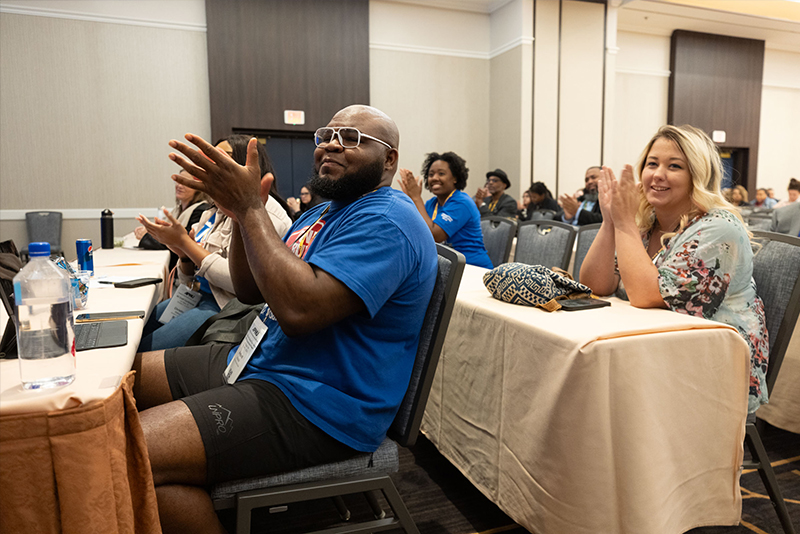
(324,368)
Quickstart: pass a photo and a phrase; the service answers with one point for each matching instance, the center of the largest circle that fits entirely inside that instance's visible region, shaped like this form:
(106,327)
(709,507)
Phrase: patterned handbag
(533,285)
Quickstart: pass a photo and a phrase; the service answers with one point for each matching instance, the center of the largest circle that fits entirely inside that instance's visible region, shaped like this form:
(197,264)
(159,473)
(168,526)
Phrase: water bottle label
(17,293)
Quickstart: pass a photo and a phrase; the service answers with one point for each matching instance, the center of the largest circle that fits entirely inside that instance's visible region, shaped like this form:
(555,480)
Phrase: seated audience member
(762,200)
(189,206)
(451,215)
(307,200)
(236,147)
(584,209)
(203,266)
(793,194)
(492,199)
(739,196)
(786,220)
(347,294)
(540,199)
(771,194)
(678,244)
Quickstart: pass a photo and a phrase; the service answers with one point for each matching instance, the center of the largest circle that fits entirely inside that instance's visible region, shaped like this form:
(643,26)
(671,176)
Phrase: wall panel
(267,56)
(715,84)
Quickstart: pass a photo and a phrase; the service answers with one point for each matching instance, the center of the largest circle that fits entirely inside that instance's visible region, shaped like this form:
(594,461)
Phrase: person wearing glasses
(492,198)
(451,215)
(307,200)
(332,351)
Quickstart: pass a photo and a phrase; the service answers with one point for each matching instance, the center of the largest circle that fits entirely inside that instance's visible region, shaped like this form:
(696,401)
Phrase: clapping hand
(570,205)
(410,185)
(169,233)
(234,188)
(619,200)
(482,193)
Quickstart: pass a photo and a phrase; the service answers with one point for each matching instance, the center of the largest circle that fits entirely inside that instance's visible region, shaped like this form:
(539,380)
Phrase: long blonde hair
(705,169)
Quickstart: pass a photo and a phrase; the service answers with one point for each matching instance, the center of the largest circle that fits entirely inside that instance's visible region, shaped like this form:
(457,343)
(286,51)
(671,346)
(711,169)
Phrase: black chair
(547,243)
(368,472)
(776,271)
(45,227)
(498,236)
(586,235)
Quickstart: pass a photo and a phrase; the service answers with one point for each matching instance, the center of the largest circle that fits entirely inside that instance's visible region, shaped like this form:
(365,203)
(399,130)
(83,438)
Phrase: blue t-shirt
(461,221)
(349,379)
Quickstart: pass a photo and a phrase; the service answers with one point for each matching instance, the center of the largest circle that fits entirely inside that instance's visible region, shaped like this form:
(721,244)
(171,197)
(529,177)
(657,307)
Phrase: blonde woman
(672,241)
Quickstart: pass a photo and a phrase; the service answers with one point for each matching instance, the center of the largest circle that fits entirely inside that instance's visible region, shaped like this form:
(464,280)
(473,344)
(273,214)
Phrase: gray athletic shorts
(249,428)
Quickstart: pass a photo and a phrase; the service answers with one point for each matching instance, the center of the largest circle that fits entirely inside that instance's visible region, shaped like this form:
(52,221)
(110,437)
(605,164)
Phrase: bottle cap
(107,213)
(38,249)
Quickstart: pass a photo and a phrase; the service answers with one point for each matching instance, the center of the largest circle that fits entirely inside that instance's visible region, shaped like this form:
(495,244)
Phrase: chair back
(405,427)
(44,226)
(543,215)
(586,235)
(759,221)
(498,236)
(776,271)
(547,243)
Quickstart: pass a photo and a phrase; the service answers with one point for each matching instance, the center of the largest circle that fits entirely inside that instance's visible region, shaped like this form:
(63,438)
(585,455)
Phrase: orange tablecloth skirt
(80,470)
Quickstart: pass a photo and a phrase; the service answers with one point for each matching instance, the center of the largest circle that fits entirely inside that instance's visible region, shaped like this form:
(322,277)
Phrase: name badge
(249,345)
(184,299)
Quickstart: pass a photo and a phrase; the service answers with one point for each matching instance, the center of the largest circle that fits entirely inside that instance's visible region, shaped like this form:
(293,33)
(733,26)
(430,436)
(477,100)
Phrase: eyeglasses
(348,137)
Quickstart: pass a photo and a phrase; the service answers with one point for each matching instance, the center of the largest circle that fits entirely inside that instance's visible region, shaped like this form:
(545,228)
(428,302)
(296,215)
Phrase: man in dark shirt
(585,209)
(492,198)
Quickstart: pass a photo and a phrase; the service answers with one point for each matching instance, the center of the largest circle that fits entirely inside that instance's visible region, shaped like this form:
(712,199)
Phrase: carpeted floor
(442,501)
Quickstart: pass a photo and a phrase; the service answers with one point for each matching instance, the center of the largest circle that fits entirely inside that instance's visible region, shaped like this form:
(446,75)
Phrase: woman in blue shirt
(451,215)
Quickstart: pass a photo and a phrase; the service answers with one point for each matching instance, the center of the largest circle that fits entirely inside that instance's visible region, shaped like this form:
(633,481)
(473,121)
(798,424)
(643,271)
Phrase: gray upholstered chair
(45,227)
(498,236)
(776,271)
(759,221)
(547,243)
(586,235)
(368,472)
(543,215)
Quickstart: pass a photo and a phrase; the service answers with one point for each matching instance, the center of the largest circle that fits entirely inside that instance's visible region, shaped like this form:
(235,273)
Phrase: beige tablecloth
(609,420)
(99,371)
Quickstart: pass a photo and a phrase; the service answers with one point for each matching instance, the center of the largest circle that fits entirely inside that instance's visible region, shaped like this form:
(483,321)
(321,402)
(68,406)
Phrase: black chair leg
(753,440)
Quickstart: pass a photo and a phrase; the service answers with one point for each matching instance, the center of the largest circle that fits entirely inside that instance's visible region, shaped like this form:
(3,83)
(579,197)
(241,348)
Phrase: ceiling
(775,9)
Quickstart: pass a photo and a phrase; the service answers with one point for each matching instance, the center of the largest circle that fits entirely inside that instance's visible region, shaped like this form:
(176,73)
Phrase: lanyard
(300,243)
(436,206)
(492,205)
(205,230)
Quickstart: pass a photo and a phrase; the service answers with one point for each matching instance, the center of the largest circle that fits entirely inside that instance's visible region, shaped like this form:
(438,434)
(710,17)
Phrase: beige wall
(88,102)
(642,78)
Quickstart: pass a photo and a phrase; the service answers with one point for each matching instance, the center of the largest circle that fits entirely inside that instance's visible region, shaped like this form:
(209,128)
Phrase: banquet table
(73,459)
(612,420)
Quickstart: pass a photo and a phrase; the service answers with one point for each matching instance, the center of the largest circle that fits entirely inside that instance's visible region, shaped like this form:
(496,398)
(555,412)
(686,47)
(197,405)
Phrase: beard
(351,185)
(590,196)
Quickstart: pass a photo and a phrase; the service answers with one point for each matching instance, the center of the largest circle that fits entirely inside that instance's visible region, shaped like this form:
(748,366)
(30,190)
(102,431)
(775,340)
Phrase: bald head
(374,121)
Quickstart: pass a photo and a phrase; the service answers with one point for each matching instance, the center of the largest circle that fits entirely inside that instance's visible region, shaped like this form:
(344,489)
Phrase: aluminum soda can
(85,259)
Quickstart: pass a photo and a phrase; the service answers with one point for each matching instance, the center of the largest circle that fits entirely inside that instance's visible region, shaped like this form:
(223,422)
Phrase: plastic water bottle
(45,327)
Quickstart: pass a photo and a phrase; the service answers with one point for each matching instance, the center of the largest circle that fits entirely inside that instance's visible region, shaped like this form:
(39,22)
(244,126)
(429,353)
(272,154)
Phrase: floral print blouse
(706,270)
